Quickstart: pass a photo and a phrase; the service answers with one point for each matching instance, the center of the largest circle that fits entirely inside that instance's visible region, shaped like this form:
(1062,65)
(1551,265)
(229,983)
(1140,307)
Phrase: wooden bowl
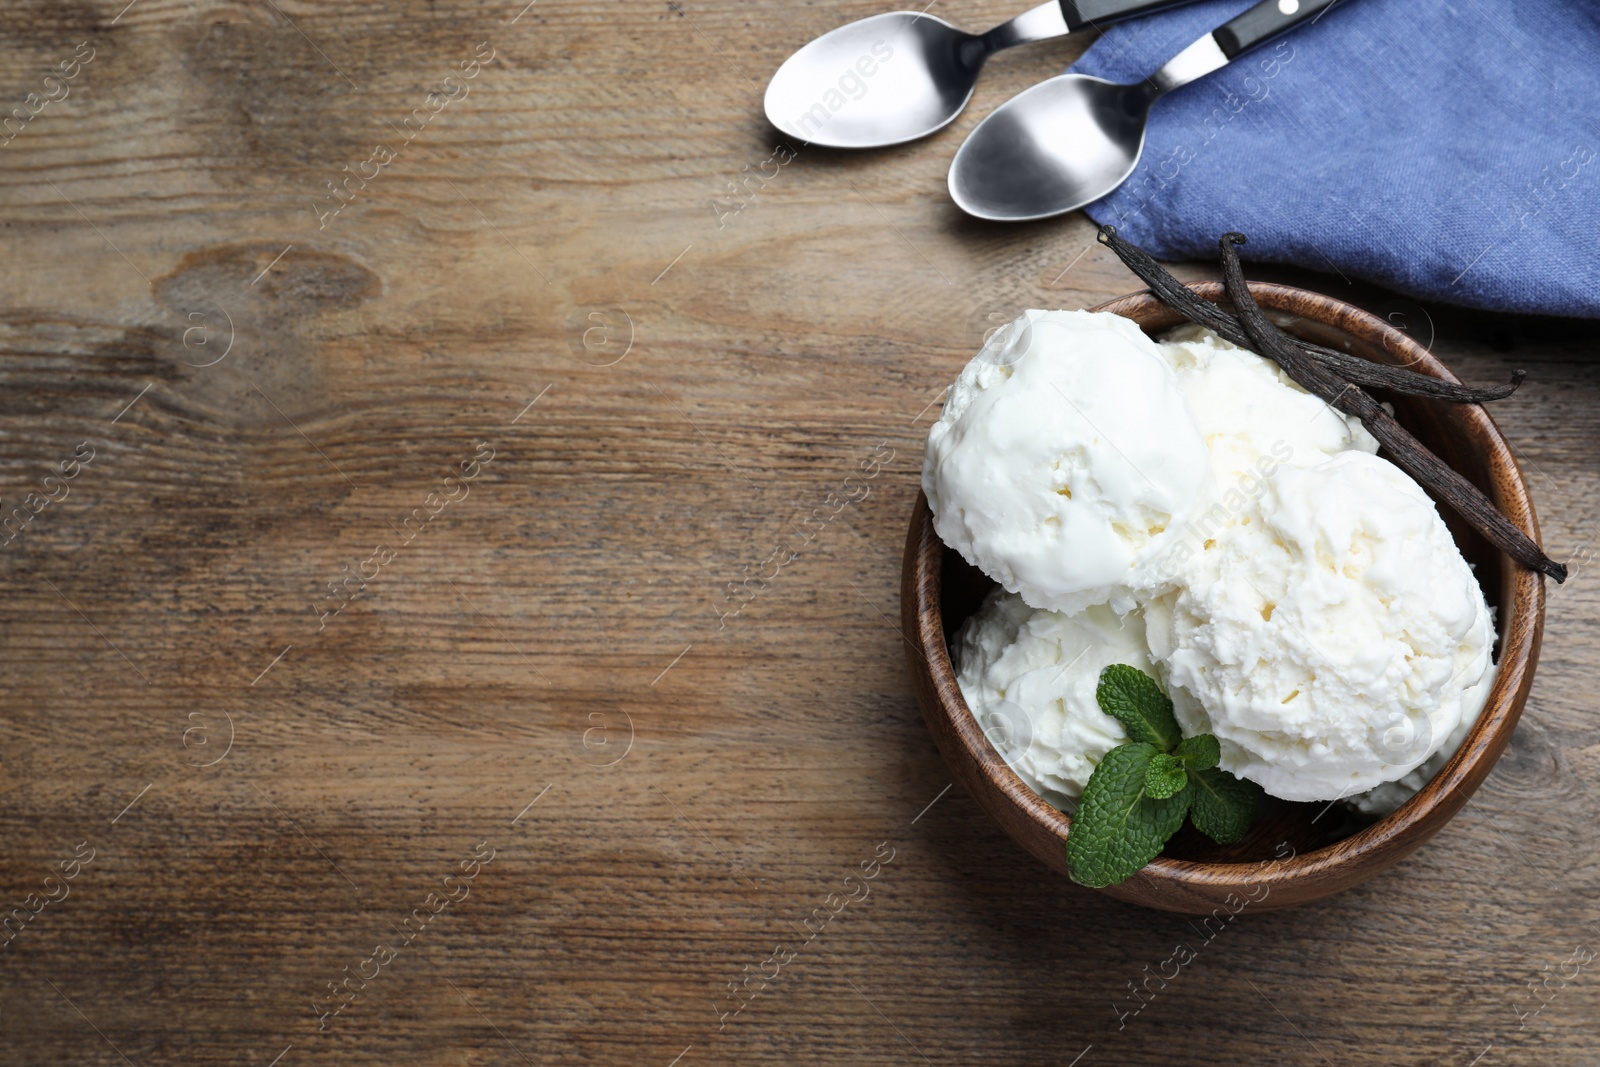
(1296,852)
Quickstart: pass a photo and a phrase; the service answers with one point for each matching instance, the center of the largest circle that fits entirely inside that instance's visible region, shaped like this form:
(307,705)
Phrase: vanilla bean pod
(1173,293)
(1466,499)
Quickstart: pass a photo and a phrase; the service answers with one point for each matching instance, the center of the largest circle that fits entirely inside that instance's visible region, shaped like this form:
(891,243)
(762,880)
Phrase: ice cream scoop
(1385,797)
(1254,419)
(1029,676)
(1064,459)
(1333,638)
(1247,408)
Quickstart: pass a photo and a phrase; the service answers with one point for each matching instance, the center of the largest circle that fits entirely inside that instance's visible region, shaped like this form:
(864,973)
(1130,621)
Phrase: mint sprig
(1220,805)
(1119,827)
(1165,777)
(1132,697)
(1138,796)
(1200,752)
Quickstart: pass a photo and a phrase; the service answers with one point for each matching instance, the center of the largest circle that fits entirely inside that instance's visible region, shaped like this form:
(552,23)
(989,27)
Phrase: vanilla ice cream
(1387,796)
(1065,458)
(1186,508)
(1254,419)
(1029,677)
(1249,410)
(1333,638)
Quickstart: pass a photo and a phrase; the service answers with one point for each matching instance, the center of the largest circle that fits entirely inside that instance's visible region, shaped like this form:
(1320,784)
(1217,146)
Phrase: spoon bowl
(1051,149)
(881,81)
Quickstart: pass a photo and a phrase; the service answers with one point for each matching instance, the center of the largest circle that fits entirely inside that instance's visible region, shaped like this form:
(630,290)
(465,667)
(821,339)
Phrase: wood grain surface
(490,631)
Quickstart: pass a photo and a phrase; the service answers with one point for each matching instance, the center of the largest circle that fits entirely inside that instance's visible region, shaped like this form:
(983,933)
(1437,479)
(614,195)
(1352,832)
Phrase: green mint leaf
(1132,697)
(1165,776)
(1119,827)
(1222,806)
(1200,752)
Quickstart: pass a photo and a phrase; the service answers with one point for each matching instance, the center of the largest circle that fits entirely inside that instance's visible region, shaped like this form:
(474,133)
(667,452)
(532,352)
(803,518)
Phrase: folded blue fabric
(1448,150)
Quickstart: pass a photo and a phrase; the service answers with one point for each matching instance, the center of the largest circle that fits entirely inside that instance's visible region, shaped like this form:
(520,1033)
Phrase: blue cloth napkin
(1448,149)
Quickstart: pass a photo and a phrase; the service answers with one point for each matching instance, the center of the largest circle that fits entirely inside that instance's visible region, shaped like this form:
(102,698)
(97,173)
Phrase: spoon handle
(1081,13)
(1265,21)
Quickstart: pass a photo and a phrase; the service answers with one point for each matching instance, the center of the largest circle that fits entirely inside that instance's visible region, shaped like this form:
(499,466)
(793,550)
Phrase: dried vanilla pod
(1406,451)
(1173,293)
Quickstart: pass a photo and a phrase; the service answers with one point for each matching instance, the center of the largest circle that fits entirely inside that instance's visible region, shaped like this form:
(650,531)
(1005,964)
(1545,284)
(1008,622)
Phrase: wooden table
(393,646)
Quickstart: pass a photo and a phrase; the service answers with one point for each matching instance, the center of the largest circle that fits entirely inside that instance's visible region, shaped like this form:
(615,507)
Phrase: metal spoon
(895,77)
(1071,140)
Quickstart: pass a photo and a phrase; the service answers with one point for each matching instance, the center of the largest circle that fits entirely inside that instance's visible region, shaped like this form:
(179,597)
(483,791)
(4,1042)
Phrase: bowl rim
(1519,626)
